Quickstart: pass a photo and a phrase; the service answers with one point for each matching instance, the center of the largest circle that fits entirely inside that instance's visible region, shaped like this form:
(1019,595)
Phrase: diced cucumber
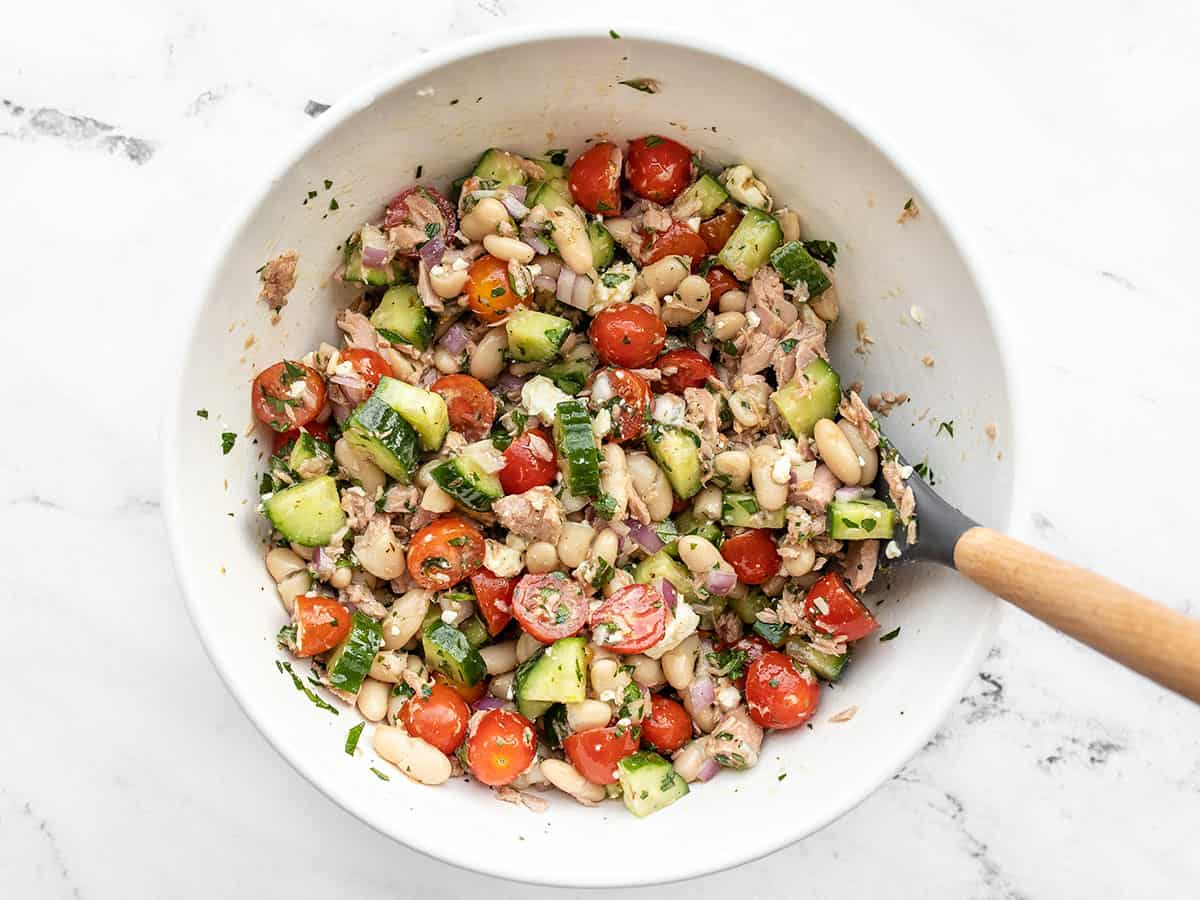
(402,318)
(356,272)
(500,166)
(602,245)
(475,630)
(570,373)
(743,511)
(649,783)
(577,447)
(860,520)
(551,168)
(710,192)
(448,650)
(826,665)
(555,674)
(690,523)
(677,451)
(424,410)
(807,399)
(465,480)
(748,606)
(774,633)
(551,193)
(661,565)
(308,513)
(795,264)
(304,448)
(535,336)
(351,660)
(555,727)
(751,243)
(385,435)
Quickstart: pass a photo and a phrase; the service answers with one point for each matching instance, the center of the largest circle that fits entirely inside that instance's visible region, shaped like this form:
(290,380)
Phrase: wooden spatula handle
(1162,644)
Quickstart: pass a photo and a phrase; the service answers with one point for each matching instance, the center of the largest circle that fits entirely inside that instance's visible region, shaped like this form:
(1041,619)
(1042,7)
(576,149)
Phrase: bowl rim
(348,107)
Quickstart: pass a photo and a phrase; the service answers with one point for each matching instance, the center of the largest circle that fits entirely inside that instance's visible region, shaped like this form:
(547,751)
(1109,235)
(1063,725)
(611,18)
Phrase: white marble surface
(1067,141)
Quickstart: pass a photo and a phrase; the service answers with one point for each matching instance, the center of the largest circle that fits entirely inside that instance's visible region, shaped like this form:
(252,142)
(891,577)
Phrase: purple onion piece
(510,383)
(647,538)
(565,286)
(702,693)
(670,597)
(486,702)
(376,251)
(708,770)
(581,294)
(341,412)
(519,191)
(539,246)
(720,583)
(545,283)
(844,494)
(431,251)
(455,339)
(515,207)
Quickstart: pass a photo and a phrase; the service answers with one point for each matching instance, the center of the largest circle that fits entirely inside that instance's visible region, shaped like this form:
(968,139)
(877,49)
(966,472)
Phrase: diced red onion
(668,592)
(647,538)
(720,583)
(545,283)
(844,494)
(425,290)
(510,383)
(487,702)
(515,207)
(321,559)
(708,770)
(565,285)
(431,251)
(376,252)
(518,191)
(341,412)
(702,693)
(581,294)
(353,382)
(428,377)
(455,339)
(539,246)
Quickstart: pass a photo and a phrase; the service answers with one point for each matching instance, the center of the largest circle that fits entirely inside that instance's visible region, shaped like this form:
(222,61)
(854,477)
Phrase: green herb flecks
(305,689)
(652,140)
(202,413)
(228,438)
(891,635)
(381,775)
(612,279)
(612,34)
(947,426)
(328,184)
(352,738)
(333,204)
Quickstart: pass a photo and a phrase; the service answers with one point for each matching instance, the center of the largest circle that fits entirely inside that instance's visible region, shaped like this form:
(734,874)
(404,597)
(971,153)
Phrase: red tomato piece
(549,606)
(678,240)
(493,596)
(469,692)
(684,368)
(416,208)
(720,282)
(471,406)
(501,747)
(368,365)
(529,462)
(321,624)
(280,439)
(595,179)
(780,694)
(287,395)
(658,168)
(627,335)
(753,555)
(445,552)
(489,294)
(832,607)
(715,231)
(668,727)
(633,619)
(439,718)
(626,396)
(750,647)
(595,752)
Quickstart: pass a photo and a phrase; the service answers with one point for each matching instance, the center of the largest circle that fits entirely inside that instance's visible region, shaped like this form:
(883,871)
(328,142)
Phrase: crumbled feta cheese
(602,423)
(614,286)
(745,188)
(669,409)
(608,696)
(681,624)
(752,318)
(504,561)
(728,697)
(781,470)
(449,616)
(298,387)
(906,472)
(540,397)
(459,264)
(602,389)
(892,550)
(624,721)
(694,223)
(439,269)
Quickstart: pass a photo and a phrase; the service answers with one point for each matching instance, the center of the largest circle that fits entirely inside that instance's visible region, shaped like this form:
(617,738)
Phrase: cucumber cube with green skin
(500,166)
(571,372)
(749,606)
(743,511)
(751,244)
(861,520)
(661,565)
(304,448)
(450,652)
(402,318)
(649,783)
(677,451)
(466,481)
(386,436)
(602,243)
(827,666)
(774,633)
(812,396)
(795,264)
(351,660)
(309,513)
(577,448)
(555,674)
(706,190)
(551,193)
(424,410)
(535,336)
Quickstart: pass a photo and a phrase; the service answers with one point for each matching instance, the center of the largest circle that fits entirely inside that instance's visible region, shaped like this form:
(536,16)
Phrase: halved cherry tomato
(493,596)
(470,404)
(668,727)
(658,168)
(445,552)
(678,240)
(595,752)
(469,692)
(716,230)
(627,335)
(413,210)
(753,555)
(752,646)
(720,282)
(321,624)
(501,747)
(779,694)
(684,368)
(549,606)
(489,294)
(439,718)
(595,179)
(280,439)
(633,619)
(273,399)
(831,606)
(526,464)
(626,396)
(368,365)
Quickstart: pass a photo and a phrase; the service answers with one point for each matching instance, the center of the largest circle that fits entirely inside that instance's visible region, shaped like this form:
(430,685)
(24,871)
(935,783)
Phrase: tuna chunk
(901,494)
(767,301)
(859,564)
(855,411)
(815,498)
(278,279)
(736,740)
(535,514)
(360,333)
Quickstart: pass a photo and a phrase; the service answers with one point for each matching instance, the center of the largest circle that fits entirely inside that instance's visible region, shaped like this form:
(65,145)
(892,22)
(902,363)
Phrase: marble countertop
(1069,142)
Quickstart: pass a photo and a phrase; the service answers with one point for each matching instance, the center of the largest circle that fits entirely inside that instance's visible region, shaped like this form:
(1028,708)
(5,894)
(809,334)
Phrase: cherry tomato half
(596,752)
(627,335)
(678,240)
(501,747)
(489,294)
(831,606)
(779,694)
(633,619)
(414,210)
(684,368)
(287,395)
(280,439)
(626,396)
(471,406)
(658,168)
(439,719)
(720,282)
(715,231)
(445,552)
(753,555)
(751,647)
(469,692)
(529,462)
(668,727)
(549,606)
(493,596)
(321,624)
(595,179)
(368,365)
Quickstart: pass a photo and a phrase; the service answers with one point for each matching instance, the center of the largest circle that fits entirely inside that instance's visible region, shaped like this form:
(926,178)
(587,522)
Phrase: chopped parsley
(601,206)
(303,688)
(652,140)
(604,574)
(922,469)
(292,373)
(781,776)
(612,34)
(312,194)
(352,738)
(825,251)
(460,541)
(605,506)
(333,204)
(420,169)
(228,438)
(947,426)
(381,775)
(891,635)
(432,229)
(787,346)
(202,413)
(498,291)
(709,262)
(729,662)
(612,279)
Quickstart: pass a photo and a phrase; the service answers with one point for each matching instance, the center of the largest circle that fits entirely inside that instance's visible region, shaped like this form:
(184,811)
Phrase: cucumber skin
(390,317)
(825,665)
(321,491)
(801,411)
(661,565)
(496,165)
(795,264)
(710,192)
(351,660)
(424,410)
(642,776)
(840,513)
(751,244)
(448,650)
(535,336)
(381,431)
(571,372)
(454,477)
(577,445)
(567,685)
(677,451)
(734,512)
(603,245)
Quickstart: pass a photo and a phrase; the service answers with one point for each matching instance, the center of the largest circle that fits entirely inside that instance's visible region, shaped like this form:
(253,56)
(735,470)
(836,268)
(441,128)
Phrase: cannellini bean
(826,304)
(447,282)
(620,229)
(708,504)
(836,452)
(527,645)
(745,410)
(372,700)
(395,703)
(499,658)
(603,677)
(789,224)
(588,714)
(341,577)
(664,276)
(770,494)
(614,479)
(282,563)
(646,671)
(868,457)
(727,325)
(402,367)
(487,360)
(598,651)
(501,687)
(379,552)
(418,760)
(436,500)
(389,666)
(679,663)
(484,219)
(571,239)
(651,484)
(446,362)
(732,301)
(541,557)
(292,587)
(689,300)
(507,248)
(404,619)
(360,467)
(574,543)
(802,563)
(564,776)
(305,553)
(700,556)
(734,465)
(605,547)
(688,761)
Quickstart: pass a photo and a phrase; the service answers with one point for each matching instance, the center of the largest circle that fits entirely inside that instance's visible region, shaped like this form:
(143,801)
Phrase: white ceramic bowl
(439,112)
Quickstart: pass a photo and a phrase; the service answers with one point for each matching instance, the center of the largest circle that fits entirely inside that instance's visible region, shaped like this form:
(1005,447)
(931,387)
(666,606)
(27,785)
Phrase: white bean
(707,504)
(826,304)
(447,282)
(292,587)
(372,700)
(666,275)
(734,465)
(507,248)
(379,552)
(404,619)
(802,563)
(689,300)
(614,479)
(646,671)
(732,301)
(305,553)
(501,687)
(745,410)
(396,702)
(418,760)
(389,666)
(770,494)
(835,451)
(487,360)
(620,229)
(688,761)
(868,457)
(651,484)
(446,362)
(541,557)
(483,219)
(564,776)
(603,677)
(425,474)
(789,224)
(360,467)
(341,577)
(499,658)
(527,645)
(282,563)
(436,500)
(727,325)
(700,556)
(679,663)
(588,714)
(570,236)
(605,547)
(574,543)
